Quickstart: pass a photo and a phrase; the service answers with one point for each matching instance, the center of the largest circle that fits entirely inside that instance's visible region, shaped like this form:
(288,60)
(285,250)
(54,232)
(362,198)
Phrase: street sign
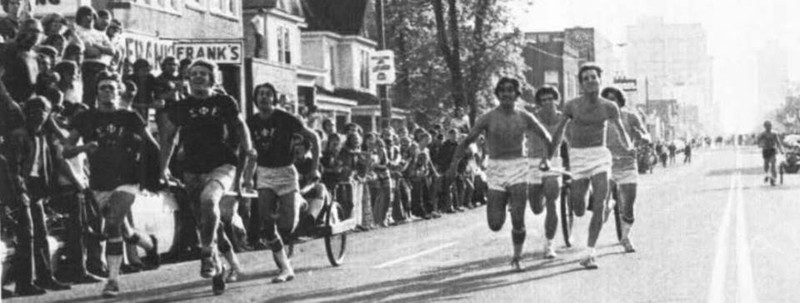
(382,63)
(626,84)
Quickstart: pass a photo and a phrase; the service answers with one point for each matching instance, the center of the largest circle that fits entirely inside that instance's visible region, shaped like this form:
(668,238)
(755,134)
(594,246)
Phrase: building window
(332,65)
(287,46)
(364,69)
(280,44)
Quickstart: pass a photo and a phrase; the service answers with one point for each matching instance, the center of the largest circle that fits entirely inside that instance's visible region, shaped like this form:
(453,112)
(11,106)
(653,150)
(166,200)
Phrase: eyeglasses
(107,87)
(547,99)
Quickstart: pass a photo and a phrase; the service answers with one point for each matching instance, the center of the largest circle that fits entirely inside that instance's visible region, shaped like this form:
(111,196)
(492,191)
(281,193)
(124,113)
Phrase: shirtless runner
(590,159)
(507,170)
(624,169)
(545,186)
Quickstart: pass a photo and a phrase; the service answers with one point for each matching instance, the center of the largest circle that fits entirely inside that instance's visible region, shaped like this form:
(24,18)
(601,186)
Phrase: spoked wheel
(335,244)
(617,221)
(615,197)
(567,216)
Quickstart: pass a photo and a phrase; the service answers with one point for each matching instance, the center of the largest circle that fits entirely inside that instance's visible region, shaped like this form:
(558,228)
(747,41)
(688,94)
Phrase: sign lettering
(149,48)
(217,52)
(382,63)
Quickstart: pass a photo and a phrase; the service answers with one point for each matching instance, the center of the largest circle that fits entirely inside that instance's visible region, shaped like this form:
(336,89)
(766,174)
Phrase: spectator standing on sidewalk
(98,51)
(20,61)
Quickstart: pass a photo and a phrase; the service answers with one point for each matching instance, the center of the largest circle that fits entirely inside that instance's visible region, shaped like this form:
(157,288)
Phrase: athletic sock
(115,251)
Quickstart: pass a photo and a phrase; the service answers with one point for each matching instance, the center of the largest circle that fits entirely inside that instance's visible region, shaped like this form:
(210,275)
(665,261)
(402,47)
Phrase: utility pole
(383,89)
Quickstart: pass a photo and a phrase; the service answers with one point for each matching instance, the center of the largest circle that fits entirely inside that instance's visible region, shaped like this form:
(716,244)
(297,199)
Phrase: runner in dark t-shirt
(113,138)
(770,144)
(208,121)
(276,177)
(205,124)
(118,144)
(272,137)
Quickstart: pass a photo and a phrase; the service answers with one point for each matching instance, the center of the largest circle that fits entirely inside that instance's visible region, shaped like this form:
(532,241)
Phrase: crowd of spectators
(49,69)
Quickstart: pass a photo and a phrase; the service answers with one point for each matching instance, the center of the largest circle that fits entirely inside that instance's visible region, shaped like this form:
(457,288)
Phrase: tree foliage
(450,52)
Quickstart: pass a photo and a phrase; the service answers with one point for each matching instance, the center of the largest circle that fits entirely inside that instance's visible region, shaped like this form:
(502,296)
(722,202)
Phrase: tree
(448,52)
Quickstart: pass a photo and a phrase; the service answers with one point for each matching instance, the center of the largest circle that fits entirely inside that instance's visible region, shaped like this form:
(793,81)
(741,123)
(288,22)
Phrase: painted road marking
(717,291)
(744,273)
(744,270)
(414,256)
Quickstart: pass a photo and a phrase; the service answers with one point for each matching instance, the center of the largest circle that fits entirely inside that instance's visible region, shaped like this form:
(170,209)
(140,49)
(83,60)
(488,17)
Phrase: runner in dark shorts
(770,144)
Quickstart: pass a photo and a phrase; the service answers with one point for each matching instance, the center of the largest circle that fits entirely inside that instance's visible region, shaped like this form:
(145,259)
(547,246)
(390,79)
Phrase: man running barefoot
(770,144)
(507,170)
(590,160)
(624,170)
(207,120)
(545,186)
(113,138)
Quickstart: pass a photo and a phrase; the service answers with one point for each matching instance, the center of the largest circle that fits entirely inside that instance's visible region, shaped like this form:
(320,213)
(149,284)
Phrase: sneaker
(233,276)
(218,283)
(515,264)
(628,245)
(111,290)
(589,263)
(208,265)
(550,252)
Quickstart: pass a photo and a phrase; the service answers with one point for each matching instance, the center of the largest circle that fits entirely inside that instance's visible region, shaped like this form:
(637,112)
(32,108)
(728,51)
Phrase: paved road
(711,231)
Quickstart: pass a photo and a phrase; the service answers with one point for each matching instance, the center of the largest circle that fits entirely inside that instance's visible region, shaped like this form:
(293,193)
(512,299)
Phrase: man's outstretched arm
(481,125)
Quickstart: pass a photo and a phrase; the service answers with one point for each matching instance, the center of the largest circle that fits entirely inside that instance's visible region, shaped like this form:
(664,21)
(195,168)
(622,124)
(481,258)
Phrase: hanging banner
(217,52)
(146,47)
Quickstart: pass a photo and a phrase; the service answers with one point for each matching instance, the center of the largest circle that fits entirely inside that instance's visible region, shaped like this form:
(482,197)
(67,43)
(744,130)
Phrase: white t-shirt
(93,37)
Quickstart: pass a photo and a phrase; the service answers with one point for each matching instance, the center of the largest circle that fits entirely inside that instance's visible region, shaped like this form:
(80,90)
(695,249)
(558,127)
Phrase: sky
(736,29)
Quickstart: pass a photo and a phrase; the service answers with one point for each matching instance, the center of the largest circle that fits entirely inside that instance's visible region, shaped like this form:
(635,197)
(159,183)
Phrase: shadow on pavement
(185,292)
(451,282)
(758,170)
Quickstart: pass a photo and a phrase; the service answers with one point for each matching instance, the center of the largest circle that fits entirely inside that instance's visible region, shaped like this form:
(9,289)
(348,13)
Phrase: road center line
(717,290)
(414,256)
(744,271)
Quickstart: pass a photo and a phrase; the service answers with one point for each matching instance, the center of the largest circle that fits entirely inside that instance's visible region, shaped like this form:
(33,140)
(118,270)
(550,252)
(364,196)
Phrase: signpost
(383,71)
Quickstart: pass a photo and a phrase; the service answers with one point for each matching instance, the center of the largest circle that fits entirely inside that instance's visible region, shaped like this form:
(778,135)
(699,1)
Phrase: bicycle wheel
(617,222)
(567,216)
(336,244)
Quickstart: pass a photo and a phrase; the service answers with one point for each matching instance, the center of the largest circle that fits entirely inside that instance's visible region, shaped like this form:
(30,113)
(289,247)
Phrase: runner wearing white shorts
(590,160)
(624,170)
(545,186)
(505,128)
